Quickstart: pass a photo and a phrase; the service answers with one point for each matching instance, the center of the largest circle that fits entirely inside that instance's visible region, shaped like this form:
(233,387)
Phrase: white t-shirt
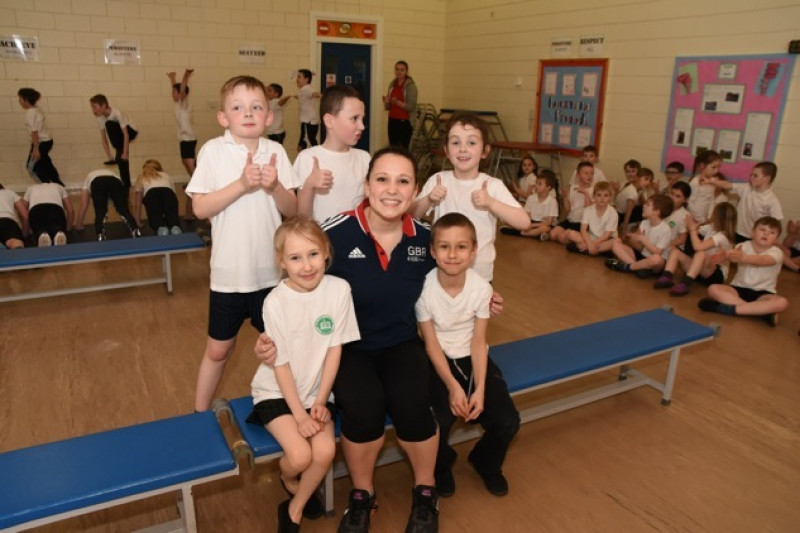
(597,225)
(677,221)
(628,192)
(277,117)
(454,317)
(459,200)
(7,200)
(87,183)
(303,325)
(598,176)
(309,111)
(115,116)
(754,205)
(242,259)
(183,117)
(349,175)
(721,242)
(539,211)
(577,203)
(701,198)
(659,236)
(45,193)
(163,180)
(526,182)
(34,121)
(758,278)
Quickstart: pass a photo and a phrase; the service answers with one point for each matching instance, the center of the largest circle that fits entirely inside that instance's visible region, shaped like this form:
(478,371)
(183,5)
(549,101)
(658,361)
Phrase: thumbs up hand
(319,178)
(251,174)
(439,191)
(481,198)
(269,174)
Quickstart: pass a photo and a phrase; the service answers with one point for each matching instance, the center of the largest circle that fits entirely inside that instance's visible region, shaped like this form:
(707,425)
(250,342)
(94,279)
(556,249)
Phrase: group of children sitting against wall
(711,228)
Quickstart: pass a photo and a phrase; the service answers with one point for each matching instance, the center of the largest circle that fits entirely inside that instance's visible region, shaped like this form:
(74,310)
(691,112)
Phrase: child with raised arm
(598,225)
(465,189)
(541,208)
(453,316)
(119,130)
(791,246)
(183,117)
(706,167)
(39,163)
(526,178)
(578,198)
(308,315)
(244,183)
(648,248)
(101,186)
(707,265)
(333,173)
(756,198)
(154,189)
(309,118)
(752,291)
(276,131)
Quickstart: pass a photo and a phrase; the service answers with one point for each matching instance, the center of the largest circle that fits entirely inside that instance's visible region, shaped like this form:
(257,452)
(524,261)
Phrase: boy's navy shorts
(750,295)
(228,310)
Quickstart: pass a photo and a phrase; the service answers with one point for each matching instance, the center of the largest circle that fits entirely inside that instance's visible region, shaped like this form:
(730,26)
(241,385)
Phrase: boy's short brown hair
(602,186)
(453,220)
(468,119)
(99,99)
(548,176)
(248,81)
(663,204)
(768,168)
(645,172)
(770,222)
(589,149)
(333,98)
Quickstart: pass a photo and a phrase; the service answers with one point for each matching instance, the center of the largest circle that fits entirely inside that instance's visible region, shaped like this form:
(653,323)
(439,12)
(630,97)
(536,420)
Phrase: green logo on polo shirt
(324,325)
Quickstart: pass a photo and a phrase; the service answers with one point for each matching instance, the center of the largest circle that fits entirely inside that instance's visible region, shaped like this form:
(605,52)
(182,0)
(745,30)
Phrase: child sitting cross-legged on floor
(752,291)
(598,225)
(541,207)
(649,246)
(708,264)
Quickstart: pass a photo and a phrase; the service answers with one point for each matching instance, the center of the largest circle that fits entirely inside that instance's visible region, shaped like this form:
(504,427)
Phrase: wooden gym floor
(725,456)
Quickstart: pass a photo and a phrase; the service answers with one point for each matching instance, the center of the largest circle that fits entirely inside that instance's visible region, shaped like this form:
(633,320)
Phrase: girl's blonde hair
(723,218)
(150,171)
(308,229)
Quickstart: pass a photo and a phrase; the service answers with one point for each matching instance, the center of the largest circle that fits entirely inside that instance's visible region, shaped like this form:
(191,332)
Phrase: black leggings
(105,188)
(400,132)
(43,168)
(311,130)
(47,218)
(162,208)
(114,132)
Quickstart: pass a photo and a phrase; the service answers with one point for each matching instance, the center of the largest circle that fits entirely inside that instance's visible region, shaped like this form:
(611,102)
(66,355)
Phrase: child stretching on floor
(649,246)
(465,189)
(308,315)
(791,246)
(541,207)
(752,291)
(101,186)
(526,179)
(155,190)
(707,265)
(598,225)
(579,196)
(453,316)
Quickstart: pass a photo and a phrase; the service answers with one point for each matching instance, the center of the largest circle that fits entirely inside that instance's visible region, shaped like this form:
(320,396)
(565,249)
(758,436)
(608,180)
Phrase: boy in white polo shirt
(243,183)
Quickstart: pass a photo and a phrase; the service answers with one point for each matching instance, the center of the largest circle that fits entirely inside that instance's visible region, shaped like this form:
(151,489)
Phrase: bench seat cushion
(62,476)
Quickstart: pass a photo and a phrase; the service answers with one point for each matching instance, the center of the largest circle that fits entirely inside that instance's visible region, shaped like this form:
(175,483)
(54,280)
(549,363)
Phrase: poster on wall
(19,47)
(120,52)
(731,104)
(569,106)
(252,53)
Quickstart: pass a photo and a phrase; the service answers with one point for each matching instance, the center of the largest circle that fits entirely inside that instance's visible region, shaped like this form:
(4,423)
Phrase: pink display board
(731,104)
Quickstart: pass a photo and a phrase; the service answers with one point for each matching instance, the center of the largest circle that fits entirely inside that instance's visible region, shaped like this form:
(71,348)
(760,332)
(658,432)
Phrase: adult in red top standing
(401,102)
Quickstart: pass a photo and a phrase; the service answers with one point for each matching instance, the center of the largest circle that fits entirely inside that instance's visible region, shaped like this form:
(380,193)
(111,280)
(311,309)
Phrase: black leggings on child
(47,218)
(162,208)
(105,188)
(114,132)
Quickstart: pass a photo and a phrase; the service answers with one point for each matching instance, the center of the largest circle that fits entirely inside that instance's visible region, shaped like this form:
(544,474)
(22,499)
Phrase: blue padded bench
(539,362)
(58,480)
(90,252)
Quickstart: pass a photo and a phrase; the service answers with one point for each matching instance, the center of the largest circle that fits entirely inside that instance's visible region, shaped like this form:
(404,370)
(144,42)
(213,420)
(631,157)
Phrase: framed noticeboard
(730,104)
(569,103)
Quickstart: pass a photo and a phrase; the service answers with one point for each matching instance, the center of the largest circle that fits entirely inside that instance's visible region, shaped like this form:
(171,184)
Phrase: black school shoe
(424,516)
(494,480)
(313,509)
(285,524)
(356,517)
(445,483)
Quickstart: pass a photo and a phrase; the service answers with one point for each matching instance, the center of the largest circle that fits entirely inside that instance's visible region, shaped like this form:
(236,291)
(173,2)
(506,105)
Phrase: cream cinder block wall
(490,43)
(173,35)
